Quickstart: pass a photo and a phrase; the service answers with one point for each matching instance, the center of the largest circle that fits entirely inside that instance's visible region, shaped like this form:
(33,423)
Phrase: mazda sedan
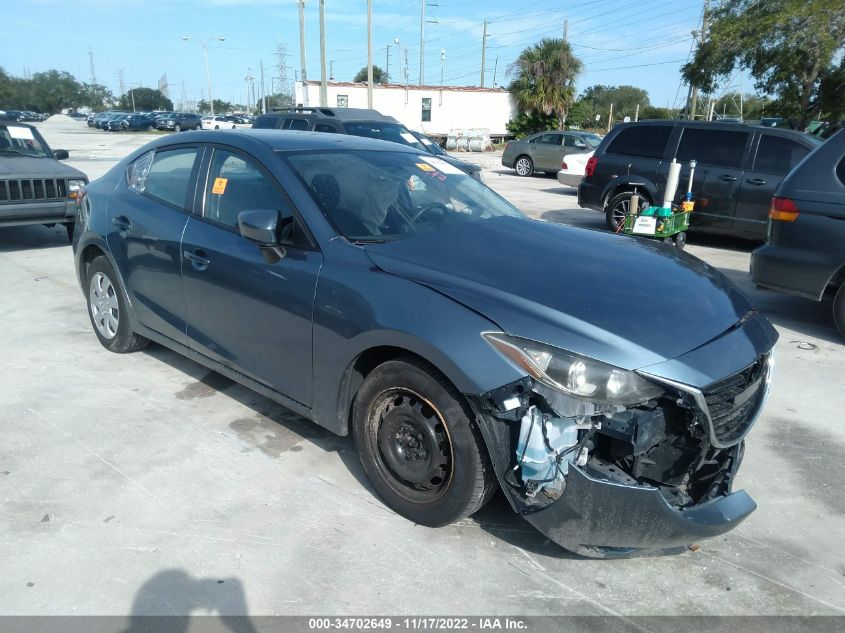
(604,383)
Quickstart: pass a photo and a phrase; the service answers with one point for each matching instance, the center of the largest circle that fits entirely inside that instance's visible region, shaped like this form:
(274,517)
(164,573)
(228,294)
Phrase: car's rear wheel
(839,309)
(524,166)
(198,127)
(107,309)
(618,208)
(419,444)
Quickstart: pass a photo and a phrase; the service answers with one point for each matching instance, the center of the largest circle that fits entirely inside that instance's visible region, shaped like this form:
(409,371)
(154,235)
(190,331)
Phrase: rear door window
(299,124)
(778,155)
(641,140)
(322,127)
(169,176)
(712,147)
(550,139)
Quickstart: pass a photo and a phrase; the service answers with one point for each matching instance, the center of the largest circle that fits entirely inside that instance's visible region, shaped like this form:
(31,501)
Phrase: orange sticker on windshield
(219,186)
(425,167)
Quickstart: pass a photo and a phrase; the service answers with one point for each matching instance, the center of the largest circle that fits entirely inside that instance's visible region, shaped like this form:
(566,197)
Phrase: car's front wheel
(107,309)
(198,127)
(839,309)
(419,444)
(524,166)
(177,128)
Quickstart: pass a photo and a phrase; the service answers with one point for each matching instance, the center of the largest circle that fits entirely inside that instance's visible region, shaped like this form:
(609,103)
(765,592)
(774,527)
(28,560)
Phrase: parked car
(90,119)
(179,121)
(137,122)
(804,254)
(434,149)
(35,188)
(115,123)
(738,169)
(357,122)
(544,151)
(572,168)
(217,123)
(380,291)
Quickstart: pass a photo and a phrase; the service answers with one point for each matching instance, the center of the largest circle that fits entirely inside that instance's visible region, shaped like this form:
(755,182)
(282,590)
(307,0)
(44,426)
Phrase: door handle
(728,178)
(197,258)
(756,181)
(122,222)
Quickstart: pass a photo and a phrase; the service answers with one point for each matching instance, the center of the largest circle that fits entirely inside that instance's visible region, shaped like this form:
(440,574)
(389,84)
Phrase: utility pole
(693,89)
(387,61)
(302,62)
(324,94)
(442,64)
(370,54)
(483,51)
(566,30)
(422,41)
(263,94)
(610,118)
(331,70)
(120,81)
(91,64)
(495,69)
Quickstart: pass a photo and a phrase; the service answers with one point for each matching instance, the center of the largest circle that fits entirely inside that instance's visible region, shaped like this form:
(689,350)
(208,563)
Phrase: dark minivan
(738,169)
(805,251)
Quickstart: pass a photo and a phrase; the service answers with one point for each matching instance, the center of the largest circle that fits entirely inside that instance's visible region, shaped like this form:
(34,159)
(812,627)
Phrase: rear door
(637,151)
(547,152)
(775,155)
(250,312)
(145,223)
(720,156)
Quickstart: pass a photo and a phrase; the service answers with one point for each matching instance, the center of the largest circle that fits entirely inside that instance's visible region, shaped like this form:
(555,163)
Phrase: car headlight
(73,188)
(573,374)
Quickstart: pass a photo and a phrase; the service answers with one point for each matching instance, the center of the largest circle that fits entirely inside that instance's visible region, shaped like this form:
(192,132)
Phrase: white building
(430,109)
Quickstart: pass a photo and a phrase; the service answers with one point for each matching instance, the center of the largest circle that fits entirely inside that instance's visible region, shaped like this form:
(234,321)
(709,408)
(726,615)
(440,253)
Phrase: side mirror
(260,226)
(60,154)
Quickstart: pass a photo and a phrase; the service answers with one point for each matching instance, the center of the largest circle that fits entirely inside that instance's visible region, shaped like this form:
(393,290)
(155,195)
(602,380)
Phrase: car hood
(630,302)
(29,167)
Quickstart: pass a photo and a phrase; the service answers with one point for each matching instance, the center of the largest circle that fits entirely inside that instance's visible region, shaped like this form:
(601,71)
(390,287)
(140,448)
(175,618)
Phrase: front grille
(734,402)
(32,189)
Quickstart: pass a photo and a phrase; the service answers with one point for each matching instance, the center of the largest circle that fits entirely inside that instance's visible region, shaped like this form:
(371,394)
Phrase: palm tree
(544,78)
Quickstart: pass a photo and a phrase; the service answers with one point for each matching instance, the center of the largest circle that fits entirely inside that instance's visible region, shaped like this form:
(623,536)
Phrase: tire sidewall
(839,310)
(619,197)
(467,455)
(124,337)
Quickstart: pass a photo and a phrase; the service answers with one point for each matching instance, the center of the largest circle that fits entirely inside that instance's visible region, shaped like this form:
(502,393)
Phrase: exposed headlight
(73,187)
(573,374)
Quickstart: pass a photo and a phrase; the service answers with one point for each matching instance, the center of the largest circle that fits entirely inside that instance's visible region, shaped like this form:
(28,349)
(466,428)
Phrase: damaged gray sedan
(604,383)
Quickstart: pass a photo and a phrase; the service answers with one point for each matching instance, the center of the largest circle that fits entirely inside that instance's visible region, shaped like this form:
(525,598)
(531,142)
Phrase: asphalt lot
(143,483)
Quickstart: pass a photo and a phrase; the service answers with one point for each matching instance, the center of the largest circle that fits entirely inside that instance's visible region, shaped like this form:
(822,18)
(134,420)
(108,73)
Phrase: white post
(370,54)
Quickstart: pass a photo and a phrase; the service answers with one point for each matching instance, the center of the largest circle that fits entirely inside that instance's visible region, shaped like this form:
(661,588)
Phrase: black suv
(805,251)
(357,122)
(738,169)
(179,121)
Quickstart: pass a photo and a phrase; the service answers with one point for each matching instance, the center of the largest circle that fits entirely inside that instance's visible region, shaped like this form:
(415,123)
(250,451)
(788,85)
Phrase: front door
(775,157)
(720,156)
(144,230)
(247,310)
(547,152)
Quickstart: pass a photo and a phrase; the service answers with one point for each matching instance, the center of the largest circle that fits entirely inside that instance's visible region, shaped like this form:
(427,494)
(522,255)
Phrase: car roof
(337,114)
(290,141)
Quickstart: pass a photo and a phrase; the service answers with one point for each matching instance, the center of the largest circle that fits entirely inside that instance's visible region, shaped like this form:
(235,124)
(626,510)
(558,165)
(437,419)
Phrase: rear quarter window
(712,147)
(641,140)
(778,155)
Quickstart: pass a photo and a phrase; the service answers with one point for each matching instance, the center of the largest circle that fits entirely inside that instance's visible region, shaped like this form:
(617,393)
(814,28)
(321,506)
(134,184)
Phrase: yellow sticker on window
(219,186)
(425,167)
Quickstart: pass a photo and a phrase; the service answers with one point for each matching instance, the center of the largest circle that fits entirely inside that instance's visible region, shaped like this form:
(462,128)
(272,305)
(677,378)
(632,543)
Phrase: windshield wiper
(17,151)
(373,240)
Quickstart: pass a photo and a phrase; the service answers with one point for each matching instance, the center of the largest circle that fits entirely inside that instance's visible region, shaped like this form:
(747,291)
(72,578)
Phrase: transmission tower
(91,64)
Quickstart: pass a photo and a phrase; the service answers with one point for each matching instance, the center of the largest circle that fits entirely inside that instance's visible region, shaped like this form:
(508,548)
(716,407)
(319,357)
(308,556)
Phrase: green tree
(753,106)
(654,112)
(51,91)
(544,79)
(379,76)
(95,96)
(788,46)
(220,107)
(625,100)
(580,115)
(525,124)
(832,92)
(279,100)
(144,99)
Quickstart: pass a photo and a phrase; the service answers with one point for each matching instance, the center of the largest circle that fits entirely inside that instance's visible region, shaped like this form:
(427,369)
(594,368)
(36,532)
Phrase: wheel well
(90,253)
(358,370)
(626,188)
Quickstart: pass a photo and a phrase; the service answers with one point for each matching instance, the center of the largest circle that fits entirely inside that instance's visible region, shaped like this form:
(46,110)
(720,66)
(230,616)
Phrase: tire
(524,166)
(198,127)
(216,127)
(105,293)
(419,444)
(69,228)
(839,309)
(150,128)
(618,207)
(177,128)
(681,240)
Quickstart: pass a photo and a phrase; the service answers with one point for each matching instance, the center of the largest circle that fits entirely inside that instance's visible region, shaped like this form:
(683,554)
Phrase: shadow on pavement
(165,603)
(30,237)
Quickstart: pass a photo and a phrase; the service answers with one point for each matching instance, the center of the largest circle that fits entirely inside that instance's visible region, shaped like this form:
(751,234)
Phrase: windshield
(393,132)
(377,196)
(430,146)
(593,140)
(22,140)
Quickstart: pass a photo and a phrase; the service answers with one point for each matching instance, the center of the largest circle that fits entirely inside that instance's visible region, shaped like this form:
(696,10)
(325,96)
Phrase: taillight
(590,169)
(783,209)
(563,165)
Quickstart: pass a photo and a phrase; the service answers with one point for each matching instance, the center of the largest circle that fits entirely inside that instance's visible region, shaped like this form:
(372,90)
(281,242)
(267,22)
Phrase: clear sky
(638,42)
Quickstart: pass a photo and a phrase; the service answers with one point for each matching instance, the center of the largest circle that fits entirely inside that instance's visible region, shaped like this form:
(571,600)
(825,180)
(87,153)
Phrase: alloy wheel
(523,167)
(102,299)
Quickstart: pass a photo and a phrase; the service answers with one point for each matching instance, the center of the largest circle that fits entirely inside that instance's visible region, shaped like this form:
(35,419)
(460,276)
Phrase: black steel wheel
(419,444)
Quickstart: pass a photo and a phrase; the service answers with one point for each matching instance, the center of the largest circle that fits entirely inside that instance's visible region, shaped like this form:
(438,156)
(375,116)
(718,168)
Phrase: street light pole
(207,72)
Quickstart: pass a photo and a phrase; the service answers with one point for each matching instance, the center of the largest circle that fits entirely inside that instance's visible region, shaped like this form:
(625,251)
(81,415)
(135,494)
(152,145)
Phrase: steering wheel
(431,206)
